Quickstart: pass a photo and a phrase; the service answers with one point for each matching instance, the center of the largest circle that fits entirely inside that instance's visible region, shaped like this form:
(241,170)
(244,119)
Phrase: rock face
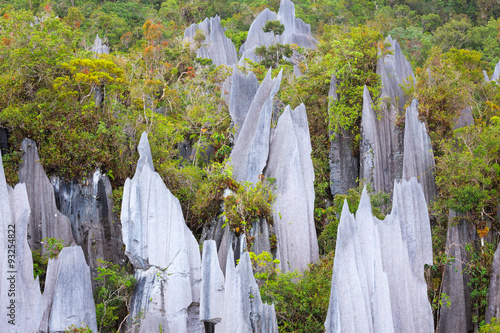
(418,160)
(381,151)
(344,165)
(212,285)
(458,316)
(243,90)
(378,283)
(99,47)
(72,300)
(493,310)
(45,219)
(243,307)
(162,249)
(251,149)
(296,31)
(465,118)
(291,165)
(495,76)
(216,45)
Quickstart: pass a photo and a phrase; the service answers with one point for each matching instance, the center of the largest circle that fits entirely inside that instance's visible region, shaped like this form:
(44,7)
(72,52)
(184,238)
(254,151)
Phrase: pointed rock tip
(144,151)
(365,199)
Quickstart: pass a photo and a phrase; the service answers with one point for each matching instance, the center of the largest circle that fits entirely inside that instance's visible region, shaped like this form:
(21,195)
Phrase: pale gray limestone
(493,310)
(378,282)
(251,149)
(216,45)
(99,47)
(72,300)
(495,76)
(243,90)
(162,249)
(212,285)
(464,118)
(45,219)
(418,160)
(291,165)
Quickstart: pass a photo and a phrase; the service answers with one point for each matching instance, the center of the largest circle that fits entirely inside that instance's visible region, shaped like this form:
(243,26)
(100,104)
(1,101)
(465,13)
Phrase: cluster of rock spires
(217,47)
(171,277)
(378,282)
(28,212)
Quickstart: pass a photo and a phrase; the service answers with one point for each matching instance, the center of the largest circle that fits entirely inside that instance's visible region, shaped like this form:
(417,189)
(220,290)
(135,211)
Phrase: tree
(273,55)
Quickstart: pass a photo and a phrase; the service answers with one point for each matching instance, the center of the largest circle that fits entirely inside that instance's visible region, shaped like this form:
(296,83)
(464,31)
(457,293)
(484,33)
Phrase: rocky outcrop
(244,310)
(378,283)
(344,164)
(99,47)
(243,90)
(45,219)
(495,76)
(296,32)
(493,310)
(162,249)
(216,45)
(418,160)
(212,285)
(291,165)
(464,118)
(457,317)
(94,226)
(251,149)
(70,286)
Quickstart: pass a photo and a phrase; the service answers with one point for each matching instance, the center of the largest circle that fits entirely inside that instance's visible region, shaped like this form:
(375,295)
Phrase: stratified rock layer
(378,280)
(291,165)
(216,45)
(162,249)
(457,317)
(45,219)
(418,160)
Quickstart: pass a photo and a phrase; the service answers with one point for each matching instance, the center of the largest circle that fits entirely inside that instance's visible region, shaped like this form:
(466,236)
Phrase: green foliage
(272,56)
(479,271)
(53,246)
(265,266)
(493,327)
(112,296)
(301,300)
(74,329)
(328,238)
(276,27)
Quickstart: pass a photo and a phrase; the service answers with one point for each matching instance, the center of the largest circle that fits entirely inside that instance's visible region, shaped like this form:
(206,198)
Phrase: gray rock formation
(45,219)
(72,300)
(296,31)
(162,249)
(495,76)
(465,118)
(243,307)
(99,47)
(291,165)
(418,160)
(216,45)
(381,151)
(378,283)
(493,310)
(251,149)
(457,317)
(212,285)
(344,165)
(243,90)
(90,209)
(4,140)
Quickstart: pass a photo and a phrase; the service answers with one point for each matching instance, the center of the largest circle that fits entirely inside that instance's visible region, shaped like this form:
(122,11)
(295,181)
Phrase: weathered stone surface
(296,31)
(243,90)
(260,233)
(381,148)
(291,165)
(251,149)
(72,301)
(418,160)
(378,283)
(231,243)
(4,140)
(243,307)
(493,310)
(212,285)
(458,316)
(162,249)
(344,165)
(257,37)
(99,47)
(495,76)
(465,118)
(94,225)
(216,45)
(45,219)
